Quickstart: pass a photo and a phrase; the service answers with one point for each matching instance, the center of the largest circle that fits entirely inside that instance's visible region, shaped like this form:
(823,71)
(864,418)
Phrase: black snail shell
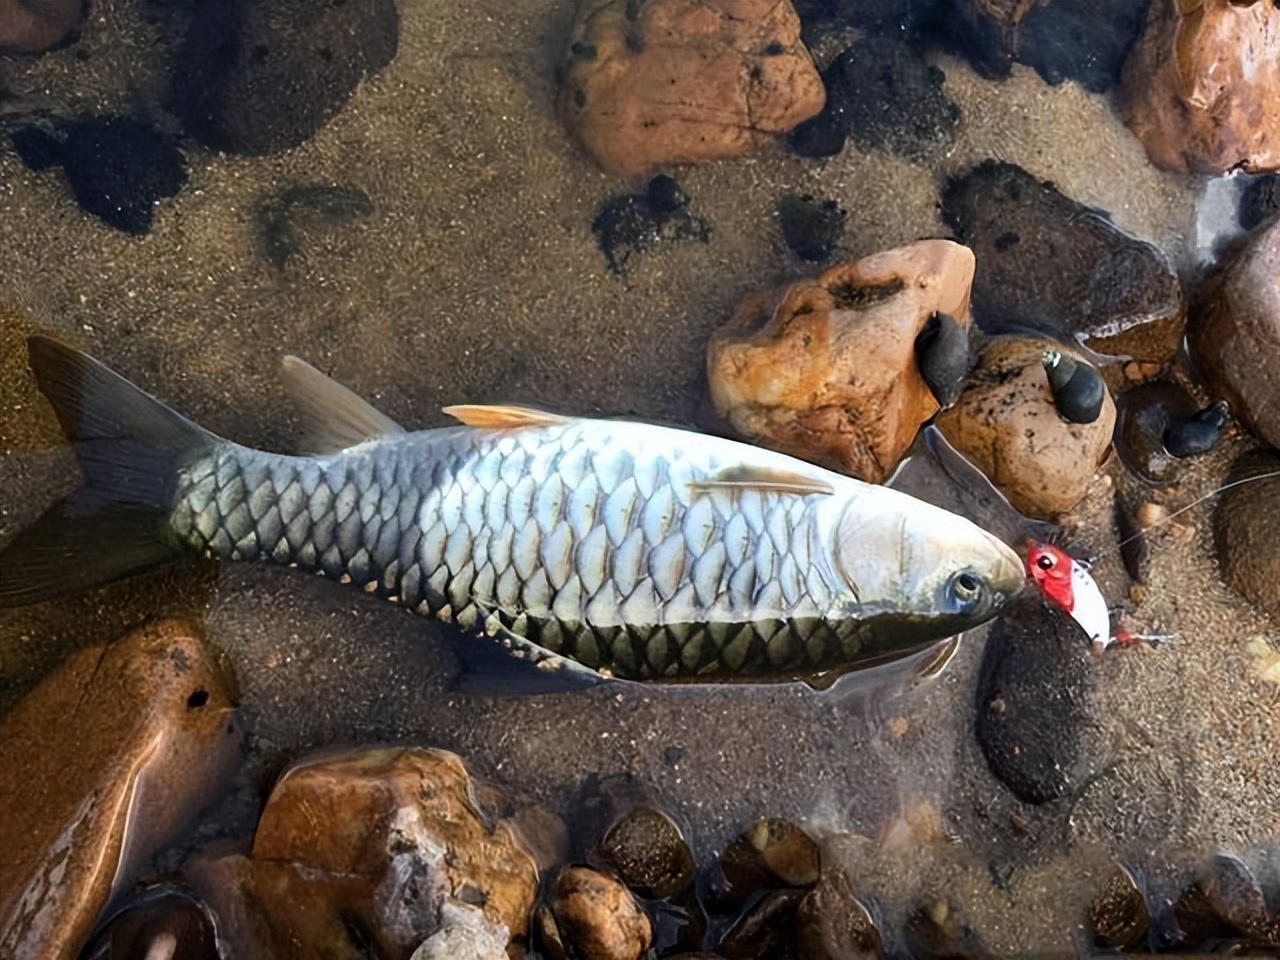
(942,354)
(1077,388)
(1158,426)
(1199,433)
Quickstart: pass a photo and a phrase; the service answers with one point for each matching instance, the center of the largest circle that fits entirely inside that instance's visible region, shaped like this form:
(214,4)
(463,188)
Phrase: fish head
(902,555)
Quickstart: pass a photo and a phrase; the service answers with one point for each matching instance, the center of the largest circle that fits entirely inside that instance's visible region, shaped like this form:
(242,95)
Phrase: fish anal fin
(502,416)
(337,417)
(765,480)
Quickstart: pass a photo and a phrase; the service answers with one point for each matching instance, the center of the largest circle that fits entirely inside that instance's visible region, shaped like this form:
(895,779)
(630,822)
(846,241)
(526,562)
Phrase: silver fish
(636,551)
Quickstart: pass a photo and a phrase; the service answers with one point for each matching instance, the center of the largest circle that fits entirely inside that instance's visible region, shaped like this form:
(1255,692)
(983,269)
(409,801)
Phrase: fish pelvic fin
(130,447)
(337,417)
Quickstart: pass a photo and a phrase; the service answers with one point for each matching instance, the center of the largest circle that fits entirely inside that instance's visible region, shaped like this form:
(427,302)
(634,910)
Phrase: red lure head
(1050,568)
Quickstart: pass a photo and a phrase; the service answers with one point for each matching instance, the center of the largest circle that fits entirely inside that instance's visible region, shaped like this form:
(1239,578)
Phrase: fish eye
(1045,562)
(967,590)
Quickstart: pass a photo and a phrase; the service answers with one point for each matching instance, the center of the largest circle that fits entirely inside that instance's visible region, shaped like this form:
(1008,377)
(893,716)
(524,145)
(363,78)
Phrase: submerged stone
(1246,530)
(595,918)
(1049,264)
(1035,700)
(650,855)
(143,724)
(637,223)
(771,853)
(811,227)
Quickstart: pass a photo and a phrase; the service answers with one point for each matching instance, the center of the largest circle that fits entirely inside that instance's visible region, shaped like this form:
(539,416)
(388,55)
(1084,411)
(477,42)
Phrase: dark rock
(152,921)
(886,97)
(818,137)
(767,931)
(261,76)
(1260,200)
(942,354)
(37,148)
(938,931)
(596,918)
(771,853)
(1118,916)
(1234,332)
(1081,40)
(833,924)
(811,227)
(1200,88)
(1225,902)
(634,223)
(33,26)
(1246,530)
(1035,700)
(649,854)
(1049,264)
(119,167)
(142,724)
(288,220)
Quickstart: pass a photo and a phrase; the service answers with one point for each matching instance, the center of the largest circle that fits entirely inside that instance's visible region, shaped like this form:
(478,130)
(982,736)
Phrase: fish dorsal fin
(337,418)
(765,480)
(502,416)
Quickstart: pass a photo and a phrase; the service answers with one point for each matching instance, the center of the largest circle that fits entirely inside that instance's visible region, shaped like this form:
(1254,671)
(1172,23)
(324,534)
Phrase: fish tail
(130,447)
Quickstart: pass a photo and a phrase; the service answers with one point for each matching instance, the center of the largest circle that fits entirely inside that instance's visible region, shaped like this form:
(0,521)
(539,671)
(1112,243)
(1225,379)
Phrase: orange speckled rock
(100,766)
(685,81)
(1006,424)
(826,369)
(389,837)
(1202,86)
(597,918)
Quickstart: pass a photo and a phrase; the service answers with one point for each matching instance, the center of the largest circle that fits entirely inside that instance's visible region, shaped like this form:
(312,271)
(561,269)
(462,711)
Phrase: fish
(622,549)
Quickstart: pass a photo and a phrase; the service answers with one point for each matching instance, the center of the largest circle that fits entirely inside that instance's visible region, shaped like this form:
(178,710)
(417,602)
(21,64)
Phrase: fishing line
(1195,503)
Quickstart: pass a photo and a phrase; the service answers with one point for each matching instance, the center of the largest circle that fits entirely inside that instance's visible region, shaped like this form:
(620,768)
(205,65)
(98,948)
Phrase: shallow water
(477,279)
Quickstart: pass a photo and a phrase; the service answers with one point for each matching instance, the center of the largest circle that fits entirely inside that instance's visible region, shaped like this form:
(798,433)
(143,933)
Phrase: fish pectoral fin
(337,417)
(763,480)
(502,416)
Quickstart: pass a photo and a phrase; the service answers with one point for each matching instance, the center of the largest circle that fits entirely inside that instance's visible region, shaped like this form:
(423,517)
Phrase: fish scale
(599,569)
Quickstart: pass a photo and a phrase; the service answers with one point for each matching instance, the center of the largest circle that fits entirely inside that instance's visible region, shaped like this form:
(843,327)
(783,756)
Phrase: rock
(597,918)
(826,369)
(1049,264)
(465,934)
(291,220)
(772,853)
(151,717)
(153,921)
(119,168)
(1234,333)
(1035,700)
(1259,201)
(884,95)
(33,26)
(262,76)
(1082,40)
(1200,87)
(1006,424)
(1246,530)
(649,854)
(767,931)
(810,227)
(939,931)
(1225,901)
(636,223)
(381,841)
(1118,916)
(833,924)
(684,81)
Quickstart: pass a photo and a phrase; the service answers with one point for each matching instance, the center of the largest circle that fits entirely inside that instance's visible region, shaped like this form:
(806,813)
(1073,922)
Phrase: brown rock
(1246,527)
(685,81)
(770,853)
(1006,424)
(597,918)
(1234,332)
(649,853)
(386,840)
(1200,88)
(100,766)
(833,924)
(826,369)
(27,27)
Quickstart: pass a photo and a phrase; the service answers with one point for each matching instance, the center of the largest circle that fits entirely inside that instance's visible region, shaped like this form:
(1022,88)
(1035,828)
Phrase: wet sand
(477,279)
